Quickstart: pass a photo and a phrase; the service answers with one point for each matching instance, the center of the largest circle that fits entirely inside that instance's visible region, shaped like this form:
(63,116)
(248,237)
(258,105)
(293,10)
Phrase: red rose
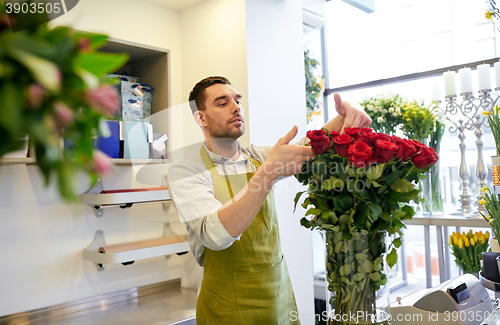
(406,148)
(425,157)
(341,144)
(360,154)
(320,142)
(385,150)
(334,134)
(355,132)
(418,147)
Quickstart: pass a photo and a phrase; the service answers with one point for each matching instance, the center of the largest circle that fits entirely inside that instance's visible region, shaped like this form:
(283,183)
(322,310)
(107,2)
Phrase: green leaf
(375,184)
(367,266)
(392,258)
(375,276)
(409,212)
(375,171)
(296,199)
(325,214)
(306,223)
(346,202)
(402,185)
(345,269)
(96,40)
(332,182)
(43,71)
(100,63)
(359,276)
(408,196)
(397,242)
(376,210)
(10,117)
(313,211)
(322,204)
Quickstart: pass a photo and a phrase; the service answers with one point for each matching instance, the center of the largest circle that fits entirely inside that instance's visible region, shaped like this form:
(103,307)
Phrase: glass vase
(436,191)
(425,186)
(356,279)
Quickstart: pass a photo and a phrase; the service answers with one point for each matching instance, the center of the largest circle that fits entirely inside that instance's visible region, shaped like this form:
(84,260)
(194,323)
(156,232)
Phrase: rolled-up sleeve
(192,193)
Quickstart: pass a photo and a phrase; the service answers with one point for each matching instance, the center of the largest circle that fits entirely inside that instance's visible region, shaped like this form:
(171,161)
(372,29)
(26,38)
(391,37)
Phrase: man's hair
(197,97)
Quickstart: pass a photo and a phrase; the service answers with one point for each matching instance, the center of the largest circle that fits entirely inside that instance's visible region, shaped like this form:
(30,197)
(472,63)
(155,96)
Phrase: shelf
(127,253)
(17,160)
(130,162)
(124,198)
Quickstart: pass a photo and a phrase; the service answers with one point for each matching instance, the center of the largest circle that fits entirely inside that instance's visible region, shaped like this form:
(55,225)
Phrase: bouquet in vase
(358,189)
(468,250)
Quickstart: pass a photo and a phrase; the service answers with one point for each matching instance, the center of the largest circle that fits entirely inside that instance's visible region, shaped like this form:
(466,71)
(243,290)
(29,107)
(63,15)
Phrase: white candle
(483,74)
(497,74)
(465,80)
(449,83)
(435,90)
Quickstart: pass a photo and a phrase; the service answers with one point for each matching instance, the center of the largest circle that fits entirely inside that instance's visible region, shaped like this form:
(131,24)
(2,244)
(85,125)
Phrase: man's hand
(286,159)
(349,117)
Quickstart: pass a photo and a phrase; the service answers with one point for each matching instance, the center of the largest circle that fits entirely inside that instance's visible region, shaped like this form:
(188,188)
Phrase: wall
(276,103)
(42,238)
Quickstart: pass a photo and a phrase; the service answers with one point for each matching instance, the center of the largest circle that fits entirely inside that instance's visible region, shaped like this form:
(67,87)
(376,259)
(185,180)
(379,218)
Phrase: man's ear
(198,118)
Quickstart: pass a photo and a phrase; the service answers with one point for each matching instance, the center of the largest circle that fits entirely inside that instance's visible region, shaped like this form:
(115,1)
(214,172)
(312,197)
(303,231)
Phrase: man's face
(223,114)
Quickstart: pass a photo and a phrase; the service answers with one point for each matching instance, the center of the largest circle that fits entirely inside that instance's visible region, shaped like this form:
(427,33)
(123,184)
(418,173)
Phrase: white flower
(380,119)
(377,103)
(370,107)
(384,111)
(391,110)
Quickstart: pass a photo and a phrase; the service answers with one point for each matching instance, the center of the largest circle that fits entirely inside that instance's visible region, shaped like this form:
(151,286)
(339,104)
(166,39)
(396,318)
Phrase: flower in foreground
(63,113)
(103,99)
(320,142)
(102,163)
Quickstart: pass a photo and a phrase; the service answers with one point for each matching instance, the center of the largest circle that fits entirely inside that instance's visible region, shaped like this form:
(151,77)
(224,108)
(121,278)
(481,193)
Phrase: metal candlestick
(474,121)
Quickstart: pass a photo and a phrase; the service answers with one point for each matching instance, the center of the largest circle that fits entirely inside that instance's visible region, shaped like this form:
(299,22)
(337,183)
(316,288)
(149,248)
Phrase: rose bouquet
(358,189)
(468,250)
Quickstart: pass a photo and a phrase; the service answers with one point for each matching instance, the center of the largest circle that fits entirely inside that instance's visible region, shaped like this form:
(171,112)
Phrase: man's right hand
(286,159)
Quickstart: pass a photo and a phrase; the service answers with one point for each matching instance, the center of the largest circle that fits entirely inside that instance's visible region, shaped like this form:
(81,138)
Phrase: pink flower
(35,95)
(102,163)
(63,113)
(103,99)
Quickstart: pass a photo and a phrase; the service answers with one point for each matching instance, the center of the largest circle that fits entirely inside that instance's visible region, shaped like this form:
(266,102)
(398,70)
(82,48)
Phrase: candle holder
(471,109)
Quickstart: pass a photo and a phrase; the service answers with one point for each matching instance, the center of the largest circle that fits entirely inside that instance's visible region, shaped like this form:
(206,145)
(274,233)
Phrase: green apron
(248,282)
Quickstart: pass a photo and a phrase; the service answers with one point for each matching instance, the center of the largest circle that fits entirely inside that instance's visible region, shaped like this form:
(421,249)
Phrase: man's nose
(235,107)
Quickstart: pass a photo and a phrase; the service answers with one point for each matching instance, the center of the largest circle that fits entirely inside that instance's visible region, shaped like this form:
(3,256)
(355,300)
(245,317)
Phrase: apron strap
(209,164)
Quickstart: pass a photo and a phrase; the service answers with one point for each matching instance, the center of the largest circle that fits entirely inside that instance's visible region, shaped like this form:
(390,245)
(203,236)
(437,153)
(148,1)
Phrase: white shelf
(17,160)
(92,253)
(124,198)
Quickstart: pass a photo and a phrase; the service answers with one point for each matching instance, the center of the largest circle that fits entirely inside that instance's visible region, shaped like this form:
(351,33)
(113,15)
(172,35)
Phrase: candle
(483,74)
(435,91)
(465,80)
(497,74)
(449,83)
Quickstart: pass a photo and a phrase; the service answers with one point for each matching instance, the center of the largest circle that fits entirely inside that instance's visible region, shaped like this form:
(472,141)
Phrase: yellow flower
(476,237)
(489,15)
(466,242)
(470,233)
(451,240)
(487,113)
(472,242)
(480,233)
(483,240)
(484,188)
(460,243)
(482,202)
(455,240)
(487,235)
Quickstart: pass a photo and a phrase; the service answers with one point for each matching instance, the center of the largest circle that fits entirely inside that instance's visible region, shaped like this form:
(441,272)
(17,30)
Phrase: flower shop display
(359,187)
(420,123)
(53,87)
(468,250)
(386,112)
(491,202)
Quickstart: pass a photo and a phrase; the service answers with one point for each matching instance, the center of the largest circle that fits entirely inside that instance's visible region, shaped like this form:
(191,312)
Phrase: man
(224,194)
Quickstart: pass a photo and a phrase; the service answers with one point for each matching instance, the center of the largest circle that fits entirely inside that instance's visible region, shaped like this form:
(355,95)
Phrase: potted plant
(468,250)
(494,122)
(491,202)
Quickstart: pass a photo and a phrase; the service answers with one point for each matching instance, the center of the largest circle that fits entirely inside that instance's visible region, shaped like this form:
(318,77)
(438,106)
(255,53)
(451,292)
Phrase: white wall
(276,103)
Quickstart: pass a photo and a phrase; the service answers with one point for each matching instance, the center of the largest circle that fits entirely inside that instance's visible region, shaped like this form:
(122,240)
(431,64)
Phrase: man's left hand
(351,116)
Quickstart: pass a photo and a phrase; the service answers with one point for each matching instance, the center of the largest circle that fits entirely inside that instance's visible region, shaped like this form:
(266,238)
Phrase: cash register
(459,301)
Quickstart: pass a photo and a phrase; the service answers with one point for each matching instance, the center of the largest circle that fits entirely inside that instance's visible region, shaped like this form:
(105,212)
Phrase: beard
(219,132)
